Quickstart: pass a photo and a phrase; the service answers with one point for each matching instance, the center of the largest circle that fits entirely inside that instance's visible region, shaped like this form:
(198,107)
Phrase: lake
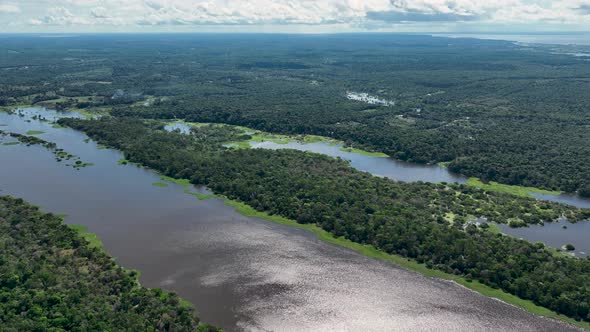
(555,235)
(242,274)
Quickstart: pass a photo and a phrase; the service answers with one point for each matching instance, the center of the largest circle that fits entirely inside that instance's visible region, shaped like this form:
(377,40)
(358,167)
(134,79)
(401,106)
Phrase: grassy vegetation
(238,145)
(261,136)
(493,228)
(450,217)
(11,143)
(180,182)
(88,236)
(160,184)
(504,188)
(444,164)
(124,161)
(172,123)
(318,139)
(81,165)
(35,132)
(365,153)
(373,252)
(200,196)
(12,108)
(90,113)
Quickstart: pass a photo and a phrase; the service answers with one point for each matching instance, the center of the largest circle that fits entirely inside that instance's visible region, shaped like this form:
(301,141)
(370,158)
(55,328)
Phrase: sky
(294,16)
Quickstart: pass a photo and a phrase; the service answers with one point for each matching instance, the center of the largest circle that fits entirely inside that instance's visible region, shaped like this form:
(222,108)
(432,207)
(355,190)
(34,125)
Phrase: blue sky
(305,16)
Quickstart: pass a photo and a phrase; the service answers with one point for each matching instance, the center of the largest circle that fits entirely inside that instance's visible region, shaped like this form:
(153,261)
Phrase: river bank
(378,163)
(224,262)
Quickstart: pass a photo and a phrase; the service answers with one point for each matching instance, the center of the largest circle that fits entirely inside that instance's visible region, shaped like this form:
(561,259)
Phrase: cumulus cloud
(60,16)
(303,12)
(100,13)
(9,8)
(252,12)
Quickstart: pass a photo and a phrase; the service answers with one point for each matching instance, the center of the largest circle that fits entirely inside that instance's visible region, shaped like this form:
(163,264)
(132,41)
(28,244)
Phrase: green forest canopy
(406,219)
(511,113)
(51,279)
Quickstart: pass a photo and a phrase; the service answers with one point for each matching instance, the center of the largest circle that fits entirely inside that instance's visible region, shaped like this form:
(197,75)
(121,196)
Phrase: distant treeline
(420,221)
(495,110)
(542,155)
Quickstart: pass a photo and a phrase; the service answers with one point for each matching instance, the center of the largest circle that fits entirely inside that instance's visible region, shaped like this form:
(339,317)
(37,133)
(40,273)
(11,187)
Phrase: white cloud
(9,8)
(60,16)
(99,12)
(355,13)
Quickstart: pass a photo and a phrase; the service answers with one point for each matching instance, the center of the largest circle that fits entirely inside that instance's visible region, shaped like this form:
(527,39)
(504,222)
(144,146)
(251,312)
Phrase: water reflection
(552,235)
(387,167)
(379,166)
(241,273)
(565,199)
(556,235)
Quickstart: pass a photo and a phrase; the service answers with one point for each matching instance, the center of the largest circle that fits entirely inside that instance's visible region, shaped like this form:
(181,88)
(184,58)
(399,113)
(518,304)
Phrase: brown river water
(241,273)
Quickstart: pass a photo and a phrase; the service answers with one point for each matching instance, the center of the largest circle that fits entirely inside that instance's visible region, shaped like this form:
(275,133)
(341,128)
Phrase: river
(550,234)
(556,235)
(386,167)
(380,166)
(242,274)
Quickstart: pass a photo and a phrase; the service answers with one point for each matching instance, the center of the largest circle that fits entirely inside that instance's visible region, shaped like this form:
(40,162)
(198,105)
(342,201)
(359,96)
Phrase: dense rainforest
(421,221)
(502,111)
(52,279)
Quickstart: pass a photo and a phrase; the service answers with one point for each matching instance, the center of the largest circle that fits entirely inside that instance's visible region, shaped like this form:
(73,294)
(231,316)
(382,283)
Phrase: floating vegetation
(35,132)
(199,196)
(92,238)
(180,182)
(60,154)
(363,152)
